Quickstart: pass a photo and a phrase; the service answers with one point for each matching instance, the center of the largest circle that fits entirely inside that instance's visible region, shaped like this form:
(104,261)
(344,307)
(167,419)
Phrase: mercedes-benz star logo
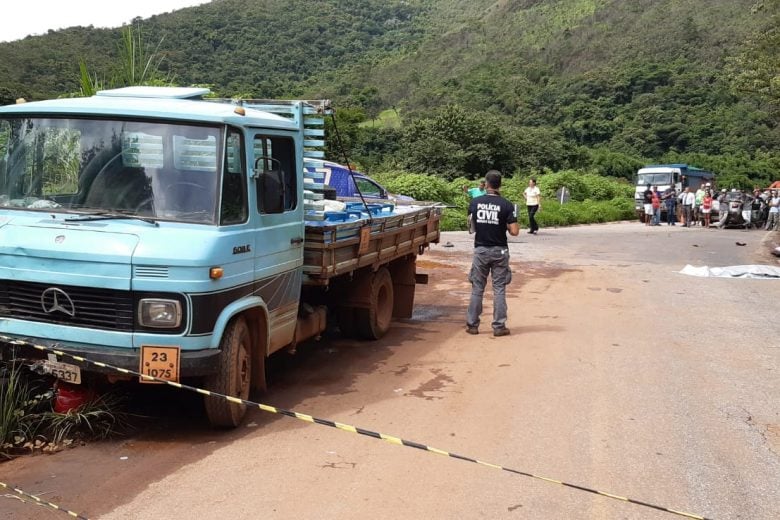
(55,299)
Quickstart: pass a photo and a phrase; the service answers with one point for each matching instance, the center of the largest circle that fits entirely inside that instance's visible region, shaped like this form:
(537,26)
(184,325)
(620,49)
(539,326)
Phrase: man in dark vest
(490,217)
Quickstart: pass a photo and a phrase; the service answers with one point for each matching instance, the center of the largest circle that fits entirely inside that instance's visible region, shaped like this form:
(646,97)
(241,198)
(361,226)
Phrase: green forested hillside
(265,48)
(522,85)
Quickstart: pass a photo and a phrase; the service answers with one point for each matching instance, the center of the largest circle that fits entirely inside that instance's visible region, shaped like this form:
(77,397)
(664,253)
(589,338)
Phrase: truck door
(280,231)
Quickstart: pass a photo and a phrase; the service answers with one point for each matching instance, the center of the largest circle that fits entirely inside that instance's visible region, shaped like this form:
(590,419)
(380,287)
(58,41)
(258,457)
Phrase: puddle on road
(428,312)
(402,369)
(436,384)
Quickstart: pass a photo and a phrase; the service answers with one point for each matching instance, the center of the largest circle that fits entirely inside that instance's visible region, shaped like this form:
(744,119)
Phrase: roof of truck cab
(150,107)
(664,168)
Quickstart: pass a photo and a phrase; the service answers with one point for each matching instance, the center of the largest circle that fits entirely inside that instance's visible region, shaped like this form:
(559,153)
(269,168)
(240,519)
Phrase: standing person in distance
(706,208)
(656,202)
(475,192)
(688,201)
(533,199)
(698,198)
(670,198)
(647,198)
(773,220)
(490,217)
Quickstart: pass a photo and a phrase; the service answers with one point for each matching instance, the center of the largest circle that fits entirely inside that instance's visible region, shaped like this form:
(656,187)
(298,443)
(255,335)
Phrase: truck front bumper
(194,363)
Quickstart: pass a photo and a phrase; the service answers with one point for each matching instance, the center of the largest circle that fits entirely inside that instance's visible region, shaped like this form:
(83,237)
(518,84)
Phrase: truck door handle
(296,241)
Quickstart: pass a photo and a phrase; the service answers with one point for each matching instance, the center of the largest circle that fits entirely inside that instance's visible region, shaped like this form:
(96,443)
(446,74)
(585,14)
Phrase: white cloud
(32,17)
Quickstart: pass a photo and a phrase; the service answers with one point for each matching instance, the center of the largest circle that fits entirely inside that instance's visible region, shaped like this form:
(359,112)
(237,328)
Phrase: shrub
(554,214)
(421,187)
(453,219)
(550,183)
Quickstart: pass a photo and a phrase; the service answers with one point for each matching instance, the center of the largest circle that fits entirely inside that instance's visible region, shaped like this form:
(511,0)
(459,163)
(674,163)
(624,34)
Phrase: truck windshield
(155,169)
(654,179)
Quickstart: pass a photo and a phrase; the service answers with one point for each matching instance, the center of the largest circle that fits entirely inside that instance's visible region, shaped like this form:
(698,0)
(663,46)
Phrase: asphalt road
(620,375)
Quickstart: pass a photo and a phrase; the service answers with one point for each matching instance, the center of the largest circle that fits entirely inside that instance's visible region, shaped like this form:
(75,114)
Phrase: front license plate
(64,371)
(160,362)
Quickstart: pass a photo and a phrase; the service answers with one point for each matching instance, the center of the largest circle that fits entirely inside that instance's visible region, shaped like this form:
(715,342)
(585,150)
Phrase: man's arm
(513,228)
(470,218)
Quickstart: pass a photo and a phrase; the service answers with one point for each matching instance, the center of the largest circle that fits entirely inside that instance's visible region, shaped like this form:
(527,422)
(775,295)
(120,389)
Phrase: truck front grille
(67,305)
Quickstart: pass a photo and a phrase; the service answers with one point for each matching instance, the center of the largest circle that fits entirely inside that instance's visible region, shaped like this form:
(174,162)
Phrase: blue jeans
(657,216)
(671,218)
(493,261)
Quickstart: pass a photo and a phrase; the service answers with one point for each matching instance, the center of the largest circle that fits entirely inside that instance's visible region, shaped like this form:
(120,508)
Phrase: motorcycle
(739,211)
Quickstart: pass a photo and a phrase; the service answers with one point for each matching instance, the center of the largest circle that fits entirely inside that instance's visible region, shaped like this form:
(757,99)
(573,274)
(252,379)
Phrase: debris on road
(734,271)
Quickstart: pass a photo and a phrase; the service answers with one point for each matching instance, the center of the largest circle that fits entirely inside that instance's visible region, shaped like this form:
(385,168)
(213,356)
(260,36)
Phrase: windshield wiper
(105,215)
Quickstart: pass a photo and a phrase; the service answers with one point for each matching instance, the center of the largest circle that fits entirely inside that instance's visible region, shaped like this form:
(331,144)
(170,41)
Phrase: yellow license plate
(160,362)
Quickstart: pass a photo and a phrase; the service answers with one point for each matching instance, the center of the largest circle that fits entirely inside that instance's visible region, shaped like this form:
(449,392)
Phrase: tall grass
(14,391)
(27,422)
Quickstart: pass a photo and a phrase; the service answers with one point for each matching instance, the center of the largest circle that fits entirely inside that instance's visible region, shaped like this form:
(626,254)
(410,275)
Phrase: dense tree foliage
(525,86)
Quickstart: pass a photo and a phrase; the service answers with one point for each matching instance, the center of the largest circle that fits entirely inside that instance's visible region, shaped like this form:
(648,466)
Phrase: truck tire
(373,322)
(233,377)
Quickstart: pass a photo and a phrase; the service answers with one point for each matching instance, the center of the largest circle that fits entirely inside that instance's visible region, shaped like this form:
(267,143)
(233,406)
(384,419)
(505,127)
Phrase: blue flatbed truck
(154,230)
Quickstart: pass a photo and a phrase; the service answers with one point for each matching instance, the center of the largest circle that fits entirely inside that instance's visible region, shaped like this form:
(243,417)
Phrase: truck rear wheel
(233,377)
(374,322)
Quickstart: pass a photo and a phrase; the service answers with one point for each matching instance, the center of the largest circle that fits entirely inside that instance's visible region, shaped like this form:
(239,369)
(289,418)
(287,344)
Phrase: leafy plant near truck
(29,423)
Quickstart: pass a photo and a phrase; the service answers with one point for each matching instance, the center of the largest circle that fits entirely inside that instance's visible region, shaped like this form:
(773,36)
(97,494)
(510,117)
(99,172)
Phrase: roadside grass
(28,423)
(553,214)
(14,392)
(594,198)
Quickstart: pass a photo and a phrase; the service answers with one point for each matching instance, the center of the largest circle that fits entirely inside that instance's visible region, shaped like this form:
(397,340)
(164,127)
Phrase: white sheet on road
(734,271)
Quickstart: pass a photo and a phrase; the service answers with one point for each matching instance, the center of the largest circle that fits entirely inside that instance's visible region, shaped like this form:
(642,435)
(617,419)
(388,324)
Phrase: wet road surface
(620,375)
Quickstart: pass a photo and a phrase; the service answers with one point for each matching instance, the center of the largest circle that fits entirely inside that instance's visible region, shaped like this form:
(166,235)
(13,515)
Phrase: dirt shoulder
(620,374)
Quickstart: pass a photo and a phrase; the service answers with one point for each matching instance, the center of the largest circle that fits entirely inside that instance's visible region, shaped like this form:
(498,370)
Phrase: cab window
(274,164)
(369,188)
(233,209)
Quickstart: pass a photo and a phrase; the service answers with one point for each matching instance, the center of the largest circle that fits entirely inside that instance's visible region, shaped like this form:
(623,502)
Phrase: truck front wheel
(232,378)
(374,322)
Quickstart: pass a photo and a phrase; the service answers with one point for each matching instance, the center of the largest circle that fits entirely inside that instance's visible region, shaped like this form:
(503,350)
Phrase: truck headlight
(161,314)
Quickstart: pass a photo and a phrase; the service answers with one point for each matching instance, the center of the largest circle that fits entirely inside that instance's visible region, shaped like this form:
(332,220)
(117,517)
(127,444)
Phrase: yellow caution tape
(354,429)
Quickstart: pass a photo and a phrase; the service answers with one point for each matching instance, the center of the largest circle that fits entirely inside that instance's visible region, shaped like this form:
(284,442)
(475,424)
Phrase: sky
(33,17)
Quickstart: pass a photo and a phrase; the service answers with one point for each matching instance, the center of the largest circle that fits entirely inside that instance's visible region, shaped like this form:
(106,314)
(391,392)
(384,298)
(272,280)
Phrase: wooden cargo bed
(335,248)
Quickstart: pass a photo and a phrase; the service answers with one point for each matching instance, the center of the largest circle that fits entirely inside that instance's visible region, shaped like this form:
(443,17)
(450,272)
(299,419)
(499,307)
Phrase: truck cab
(140,217)
(665,176)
